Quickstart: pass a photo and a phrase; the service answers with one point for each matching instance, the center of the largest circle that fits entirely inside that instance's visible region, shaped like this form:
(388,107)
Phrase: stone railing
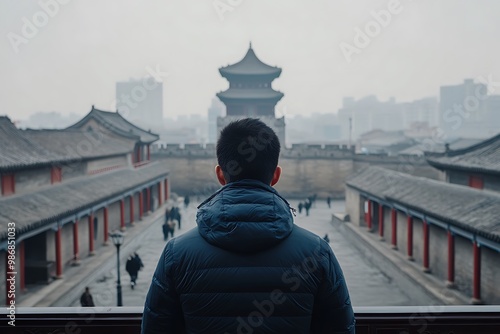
(380,320)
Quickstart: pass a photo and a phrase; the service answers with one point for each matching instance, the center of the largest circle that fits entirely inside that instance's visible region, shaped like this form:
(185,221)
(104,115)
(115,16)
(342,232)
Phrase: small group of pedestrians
(307,204)
(310,202)
(133,266)
(171,216)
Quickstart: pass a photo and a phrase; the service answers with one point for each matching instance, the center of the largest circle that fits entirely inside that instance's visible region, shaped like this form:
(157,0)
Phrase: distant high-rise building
(493,108)
(463,112)
(217,109)
(250,93)
(361,116)
(141,102)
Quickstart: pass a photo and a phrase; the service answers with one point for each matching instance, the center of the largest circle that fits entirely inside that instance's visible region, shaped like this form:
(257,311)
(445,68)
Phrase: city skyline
(72,62)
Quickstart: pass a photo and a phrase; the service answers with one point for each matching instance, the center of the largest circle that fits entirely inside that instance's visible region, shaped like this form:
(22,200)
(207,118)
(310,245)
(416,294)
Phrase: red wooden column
(426,247)
(132,209)
(476,288)
(141,203)
(451,260)
(159,194)
(369,215)
(394,230)
(22,267)
(148,200)
(91,234)
(122,215)
(381,221)
(59,271)
(166,190)
(410,238)
(106,226)
(76,247)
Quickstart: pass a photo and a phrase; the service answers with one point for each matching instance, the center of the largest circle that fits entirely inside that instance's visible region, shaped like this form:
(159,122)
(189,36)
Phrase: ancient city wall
(307,169)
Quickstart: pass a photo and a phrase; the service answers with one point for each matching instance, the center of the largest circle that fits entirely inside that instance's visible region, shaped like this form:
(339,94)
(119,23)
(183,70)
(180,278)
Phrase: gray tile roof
(47,205)
(17,151)
(116,123)
(473,210)
(77,144)
(483,157)
(250,65)
(36,148)
(243,93)
(430,145)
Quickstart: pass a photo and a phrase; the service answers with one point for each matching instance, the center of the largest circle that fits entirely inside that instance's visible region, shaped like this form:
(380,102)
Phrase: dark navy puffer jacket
(247,269)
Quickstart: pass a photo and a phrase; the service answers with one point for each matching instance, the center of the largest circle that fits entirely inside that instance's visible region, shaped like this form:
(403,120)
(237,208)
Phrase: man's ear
(220,175)
(276,175)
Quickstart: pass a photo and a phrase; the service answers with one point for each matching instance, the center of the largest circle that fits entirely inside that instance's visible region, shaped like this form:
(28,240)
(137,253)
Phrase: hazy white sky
(75,57)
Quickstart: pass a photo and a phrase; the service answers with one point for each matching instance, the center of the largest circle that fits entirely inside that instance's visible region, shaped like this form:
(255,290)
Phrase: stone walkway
(368,285)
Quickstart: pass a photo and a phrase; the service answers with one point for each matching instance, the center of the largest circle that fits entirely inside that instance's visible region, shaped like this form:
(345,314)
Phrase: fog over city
(349,147)
(65,56)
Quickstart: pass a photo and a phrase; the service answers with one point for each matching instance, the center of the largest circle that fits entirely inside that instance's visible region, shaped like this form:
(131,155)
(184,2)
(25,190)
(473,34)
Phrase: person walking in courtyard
(242,269)
(166,230)
(171,228)
(186,201)
(133,266)
(176,215)
(307,207)
(300,206)
(86,299)
(329,202)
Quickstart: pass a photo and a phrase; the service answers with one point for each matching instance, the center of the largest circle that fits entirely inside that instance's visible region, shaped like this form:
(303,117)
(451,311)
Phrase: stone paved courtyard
(368,286)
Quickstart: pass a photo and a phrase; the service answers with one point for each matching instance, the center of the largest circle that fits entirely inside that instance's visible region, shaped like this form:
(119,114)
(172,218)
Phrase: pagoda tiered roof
(118,124)
(250,94)
(483,157)
(250,65)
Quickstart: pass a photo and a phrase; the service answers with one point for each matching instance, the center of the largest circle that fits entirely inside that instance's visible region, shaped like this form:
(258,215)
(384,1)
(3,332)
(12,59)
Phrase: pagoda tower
(250,93)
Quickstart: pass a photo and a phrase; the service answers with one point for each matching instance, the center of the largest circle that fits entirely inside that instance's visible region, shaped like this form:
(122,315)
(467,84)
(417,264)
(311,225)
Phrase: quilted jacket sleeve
(162,310)
(333,311)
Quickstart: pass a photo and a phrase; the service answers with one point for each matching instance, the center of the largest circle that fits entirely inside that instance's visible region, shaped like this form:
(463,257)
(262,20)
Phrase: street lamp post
(117,238)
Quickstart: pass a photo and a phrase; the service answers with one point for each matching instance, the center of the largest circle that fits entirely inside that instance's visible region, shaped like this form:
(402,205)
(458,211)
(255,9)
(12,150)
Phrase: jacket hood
(245,216)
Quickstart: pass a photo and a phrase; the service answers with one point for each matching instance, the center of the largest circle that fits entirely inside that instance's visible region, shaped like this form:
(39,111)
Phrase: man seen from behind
(247,268)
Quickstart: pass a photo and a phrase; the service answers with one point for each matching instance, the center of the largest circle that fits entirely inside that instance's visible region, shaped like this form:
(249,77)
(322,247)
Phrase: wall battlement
(296,151)
(307,169)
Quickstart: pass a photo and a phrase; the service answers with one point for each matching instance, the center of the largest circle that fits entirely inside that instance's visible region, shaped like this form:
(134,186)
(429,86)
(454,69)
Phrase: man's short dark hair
(248,149)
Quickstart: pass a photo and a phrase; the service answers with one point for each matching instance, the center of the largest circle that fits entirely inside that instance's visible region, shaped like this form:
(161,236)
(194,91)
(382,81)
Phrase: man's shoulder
(302,233)
(187,240)
(308,240)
